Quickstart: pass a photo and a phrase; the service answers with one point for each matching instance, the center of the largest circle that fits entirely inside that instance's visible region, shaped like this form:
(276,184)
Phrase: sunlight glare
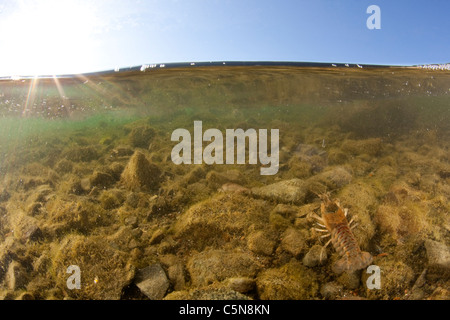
(50,37)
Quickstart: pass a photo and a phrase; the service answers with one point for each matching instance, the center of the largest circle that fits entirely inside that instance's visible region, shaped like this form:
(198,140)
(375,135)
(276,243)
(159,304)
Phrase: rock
(82,154)
(25,296)
(207,294)
(371,147)
(350,280)
(259,243)
(131,221)
(152,281)
(317,255)
(96,260)
(235,188)
(292,281)
(241,285)
(336,156)
(26,228)
(176,275)
(334,178)
(438,255)
(102,180)
(140,174)
(212,222)
(86,184)
(440,294)
(216,265)
(396,277)
(64,166)
(133,199)
(157,236)
(287,191)
(122,151)
(111,199)
(115,170)
(16,277)
(4,195)
(293,241)
(216,179)
(141,137)
(316,158)
(417,291)
(34,208)
(331,290)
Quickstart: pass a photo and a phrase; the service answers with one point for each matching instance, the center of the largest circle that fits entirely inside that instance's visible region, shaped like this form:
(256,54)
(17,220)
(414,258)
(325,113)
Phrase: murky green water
(88,179)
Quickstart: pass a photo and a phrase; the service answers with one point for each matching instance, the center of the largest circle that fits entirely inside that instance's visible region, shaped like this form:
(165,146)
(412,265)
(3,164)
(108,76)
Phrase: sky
(46,37)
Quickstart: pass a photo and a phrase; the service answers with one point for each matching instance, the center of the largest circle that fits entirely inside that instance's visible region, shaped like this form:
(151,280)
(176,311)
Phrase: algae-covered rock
(317,255)
(4,195)
(333,178)
(292,281)
(331,290)
(104,271)
(140,137)
(293,241)
(209,293)
(214,221)
(217,265)
(260,242)
(140,174)
(216,179)
(101,180)
(16,277)
(399,221)
(396,277)
(64,166)
(287,191)
(241,284)
(371,146)
(82,154)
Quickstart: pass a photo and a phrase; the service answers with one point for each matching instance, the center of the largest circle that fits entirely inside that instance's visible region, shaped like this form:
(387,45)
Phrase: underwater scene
(222,181)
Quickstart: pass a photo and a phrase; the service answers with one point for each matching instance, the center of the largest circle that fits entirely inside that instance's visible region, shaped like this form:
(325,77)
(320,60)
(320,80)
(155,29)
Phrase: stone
(334,178)
(152,281)
(216,179)
(64,166)
(317,255)
(140,174)
(438,255)
(286,191)
(176,275)
(350,280)
(293,241)
(122,151)
(16,276)
(141,137)
(4,195)
(82,154)
(217,265)
(259,243)
(241,285)
(157,236)
(101,180)
(206,294)
(371,146)
(331,290)
(291,281)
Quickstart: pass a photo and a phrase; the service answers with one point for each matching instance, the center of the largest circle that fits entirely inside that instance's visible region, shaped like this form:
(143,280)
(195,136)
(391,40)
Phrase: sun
(48,37)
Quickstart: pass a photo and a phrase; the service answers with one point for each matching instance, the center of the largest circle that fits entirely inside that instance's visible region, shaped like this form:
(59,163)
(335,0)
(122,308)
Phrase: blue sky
(71,36)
